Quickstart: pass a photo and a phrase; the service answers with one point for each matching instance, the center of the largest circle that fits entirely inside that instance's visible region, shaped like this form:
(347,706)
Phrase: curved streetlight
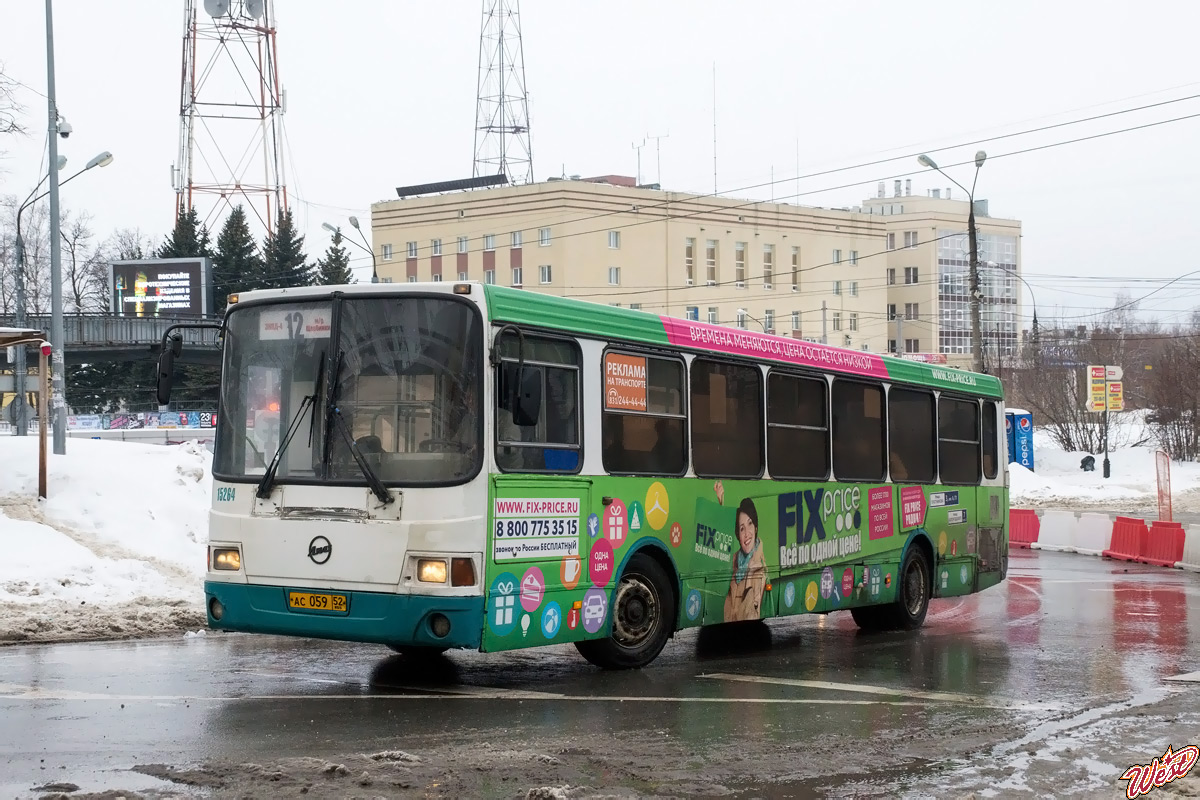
(973,235)
(368,249)
(746,313)
(19,368)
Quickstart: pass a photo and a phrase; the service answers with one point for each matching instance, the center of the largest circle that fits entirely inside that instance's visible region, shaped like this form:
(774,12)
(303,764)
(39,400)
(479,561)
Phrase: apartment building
(811,273)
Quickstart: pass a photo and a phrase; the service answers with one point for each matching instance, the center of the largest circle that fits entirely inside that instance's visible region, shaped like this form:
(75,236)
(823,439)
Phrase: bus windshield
(406,387)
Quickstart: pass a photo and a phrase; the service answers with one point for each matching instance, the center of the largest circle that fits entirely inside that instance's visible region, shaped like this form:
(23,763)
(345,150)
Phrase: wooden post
(43,417)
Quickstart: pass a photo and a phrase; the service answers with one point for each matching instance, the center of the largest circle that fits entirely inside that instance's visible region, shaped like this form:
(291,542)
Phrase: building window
(516,240)
(437,278)
(489,276)
(769,320)
(712,315)
(910,275)
(387,252)
(741,319)
(853,320)
(854,288)
(837,287)
(635,306)
(516,276)
(837,256)
(854,257)
(693,313)
(768,265)
(912,345)
(891,276)
(543,237)
(891,241)
(489,241)
(912,310)
(462,276)
(795,320)
(614,240)
(739,263)
(837,320)
(689,260)
(866,347)
(435,247)
(710,261)
(847,341)
(727,419)
(462,244)
(795,269)
(891,346)
(614,276)
(412,278)
(910,238)
(891,310)
(544,273)
(412,249)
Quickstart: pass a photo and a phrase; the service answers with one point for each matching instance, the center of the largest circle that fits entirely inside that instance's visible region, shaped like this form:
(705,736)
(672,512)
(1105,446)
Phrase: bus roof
(624,324)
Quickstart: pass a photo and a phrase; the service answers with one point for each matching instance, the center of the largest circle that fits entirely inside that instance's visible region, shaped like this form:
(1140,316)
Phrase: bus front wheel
(908,612)
(643,611)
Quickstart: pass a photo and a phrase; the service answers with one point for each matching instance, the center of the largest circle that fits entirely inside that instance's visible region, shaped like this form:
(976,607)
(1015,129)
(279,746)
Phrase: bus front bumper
(392,619)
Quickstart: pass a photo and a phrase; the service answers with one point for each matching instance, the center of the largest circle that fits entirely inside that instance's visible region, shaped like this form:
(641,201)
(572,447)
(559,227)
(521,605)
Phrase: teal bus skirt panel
(393,619)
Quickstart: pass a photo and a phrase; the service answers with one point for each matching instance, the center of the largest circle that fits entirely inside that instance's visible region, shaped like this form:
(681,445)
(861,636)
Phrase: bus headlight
(431,570)
(227,558)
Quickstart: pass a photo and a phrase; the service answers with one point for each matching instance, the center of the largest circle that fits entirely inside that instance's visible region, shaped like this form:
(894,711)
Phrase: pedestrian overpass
(89,338)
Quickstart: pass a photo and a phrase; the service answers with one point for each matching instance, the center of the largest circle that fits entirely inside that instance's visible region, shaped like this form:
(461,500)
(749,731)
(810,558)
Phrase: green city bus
(490,468)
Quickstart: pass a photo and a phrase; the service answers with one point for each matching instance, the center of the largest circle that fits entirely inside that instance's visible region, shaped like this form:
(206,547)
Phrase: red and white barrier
(1164,544)
(1057,531)
(1191,549)
(1023,525)
(1128,539)
(1093,533)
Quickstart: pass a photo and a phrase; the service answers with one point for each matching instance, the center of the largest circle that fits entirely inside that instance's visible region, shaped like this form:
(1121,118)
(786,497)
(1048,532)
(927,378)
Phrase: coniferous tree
(189,239)
(334,266)
(284,263)
(237,266)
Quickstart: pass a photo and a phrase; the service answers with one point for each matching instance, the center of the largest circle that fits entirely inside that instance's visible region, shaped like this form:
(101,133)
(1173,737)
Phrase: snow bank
(1060,482)
(117,549)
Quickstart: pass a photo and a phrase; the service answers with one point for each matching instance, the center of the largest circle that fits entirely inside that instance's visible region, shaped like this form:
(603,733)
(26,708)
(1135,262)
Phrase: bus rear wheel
(908,612)
(643,610)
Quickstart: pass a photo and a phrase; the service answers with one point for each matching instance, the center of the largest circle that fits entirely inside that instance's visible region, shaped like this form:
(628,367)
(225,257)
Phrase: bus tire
(869,618)
(912,593)
(643,610)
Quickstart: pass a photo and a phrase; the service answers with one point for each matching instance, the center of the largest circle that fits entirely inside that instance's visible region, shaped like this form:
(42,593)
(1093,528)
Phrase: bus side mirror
(527,398)
(166,369)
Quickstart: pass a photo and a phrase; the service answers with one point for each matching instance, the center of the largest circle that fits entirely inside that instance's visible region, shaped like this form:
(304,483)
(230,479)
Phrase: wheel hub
(637,611)
(914,586)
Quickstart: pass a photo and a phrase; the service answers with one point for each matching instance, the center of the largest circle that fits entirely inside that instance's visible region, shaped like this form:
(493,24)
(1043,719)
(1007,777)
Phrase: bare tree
(10,109)
(84,265)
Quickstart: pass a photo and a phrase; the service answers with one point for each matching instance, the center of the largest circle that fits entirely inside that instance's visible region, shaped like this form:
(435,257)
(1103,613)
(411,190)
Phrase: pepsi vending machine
(1018,428)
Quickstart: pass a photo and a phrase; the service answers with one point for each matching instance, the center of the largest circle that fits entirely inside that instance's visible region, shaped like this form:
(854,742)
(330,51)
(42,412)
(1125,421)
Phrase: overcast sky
(382,93)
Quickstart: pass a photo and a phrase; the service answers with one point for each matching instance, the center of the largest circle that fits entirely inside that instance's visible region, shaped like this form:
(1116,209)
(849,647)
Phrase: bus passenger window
(958,440)
(911,439)
(797,427)
(643,421)
(858,431)
(991,462)
(553,444)
(727,420)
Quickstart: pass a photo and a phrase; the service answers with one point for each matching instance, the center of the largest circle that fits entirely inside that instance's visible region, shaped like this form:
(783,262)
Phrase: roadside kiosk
(23,337)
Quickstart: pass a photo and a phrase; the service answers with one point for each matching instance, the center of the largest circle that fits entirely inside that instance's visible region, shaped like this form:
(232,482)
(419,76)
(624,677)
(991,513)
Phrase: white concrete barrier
(1093,533)
(1191,549)
(1057,531)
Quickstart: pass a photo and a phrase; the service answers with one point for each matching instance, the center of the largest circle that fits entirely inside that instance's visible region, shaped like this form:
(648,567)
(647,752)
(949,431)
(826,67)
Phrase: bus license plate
(309,601)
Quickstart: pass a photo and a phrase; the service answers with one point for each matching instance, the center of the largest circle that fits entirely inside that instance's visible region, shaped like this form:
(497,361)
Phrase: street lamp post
(370,250)
(973,236)
(58,399)
(746,313)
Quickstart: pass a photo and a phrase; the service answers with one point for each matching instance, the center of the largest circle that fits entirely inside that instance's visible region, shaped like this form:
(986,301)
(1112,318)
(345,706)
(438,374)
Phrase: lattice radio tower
(502,144)
(230,112)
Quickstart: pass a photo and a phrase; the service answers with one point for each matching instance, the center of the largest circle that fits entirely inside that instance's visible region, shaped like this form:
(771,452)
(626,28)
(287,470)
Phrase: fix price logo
(1145,778)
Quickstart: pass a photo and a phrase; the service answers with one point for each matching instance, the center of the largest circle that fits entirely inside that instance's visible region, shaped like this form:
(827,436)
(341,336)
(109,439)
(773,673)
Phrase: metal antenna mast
(502,144)
(230,112)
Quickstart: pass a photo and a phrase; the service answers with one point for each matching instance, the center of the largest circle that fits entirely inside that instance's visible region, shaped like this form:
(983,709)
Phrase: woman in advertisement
(749,579)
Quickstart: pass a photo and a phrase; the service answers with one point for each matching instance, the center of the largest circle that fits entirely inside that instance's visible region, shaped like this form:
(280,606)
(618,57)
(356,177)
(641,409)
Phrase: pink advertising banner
(719,339)
(879,503)
(912,506)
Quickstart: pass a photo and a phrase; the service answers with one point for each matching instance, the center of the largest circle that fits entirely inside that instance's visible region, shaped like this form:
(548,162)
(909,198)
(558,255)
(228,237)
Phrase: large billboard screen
(161,287)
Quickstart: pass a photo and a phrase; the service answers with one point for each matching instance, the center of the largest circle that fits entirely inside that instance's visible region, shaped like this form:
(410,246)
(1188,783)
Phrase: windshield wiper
(334,414)
(268,478)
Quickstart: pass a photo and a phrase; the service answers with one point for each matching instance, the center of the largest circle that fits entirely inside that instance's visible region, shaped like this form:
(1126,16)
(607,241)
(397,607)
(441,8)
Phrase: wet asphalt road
(1055,681)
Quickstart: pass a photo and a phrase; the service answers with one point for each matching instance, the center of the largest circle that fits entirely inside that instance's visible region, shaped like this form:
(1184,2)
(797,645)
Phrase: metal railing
(105,331)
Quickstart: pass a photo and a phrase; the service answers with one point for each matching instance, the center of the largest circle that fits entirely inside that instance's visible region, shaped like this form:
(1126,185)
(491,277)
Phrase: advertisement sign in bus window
(624,382)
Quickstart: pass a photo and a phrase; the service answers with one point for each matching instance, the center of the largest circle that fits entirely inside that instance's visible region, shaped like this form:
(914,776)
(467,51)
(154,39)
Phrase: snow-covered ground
(117,549)
(1058,482)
